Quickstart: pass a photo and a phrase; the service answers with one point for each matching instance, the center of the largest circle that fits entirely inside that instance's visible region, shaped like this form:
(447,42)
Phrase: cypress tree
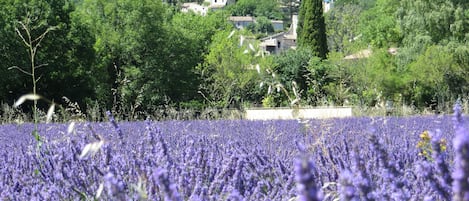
(311,29)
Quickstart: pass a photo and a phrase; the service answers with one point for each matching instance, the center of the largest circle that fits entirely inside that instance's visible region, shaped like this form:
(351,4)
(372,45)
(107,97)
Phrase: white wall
(313,113)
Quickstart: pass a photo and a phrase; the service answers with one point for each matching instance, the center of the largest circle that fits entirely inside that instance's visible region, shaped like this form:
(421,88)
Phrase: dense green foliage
(266,8)
(429,67)
(141,56)
(66,53)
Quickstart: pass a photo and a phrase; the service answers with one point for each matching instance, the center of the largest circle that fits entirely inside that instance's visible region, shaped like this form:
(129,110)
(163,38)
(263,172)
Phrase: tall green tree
(66,54)
(434,43)
(379,24)
(189,38)
(437,77)
(131,47)
(343,30)
(12,83)
(312,28)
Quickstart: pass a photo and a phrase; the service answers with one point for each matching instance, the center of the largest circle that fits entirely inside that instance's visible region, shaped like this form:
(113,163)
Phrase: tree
(131,47)
(377,78)
(262,25)
(258,8)
(229,72)
(292,66)
(312,28)
(379,24)
(437,77)
(66,55)
(363,4)
(189,38)
(343,28)
(418,18)
(290,7)
(12,84)
(434,43)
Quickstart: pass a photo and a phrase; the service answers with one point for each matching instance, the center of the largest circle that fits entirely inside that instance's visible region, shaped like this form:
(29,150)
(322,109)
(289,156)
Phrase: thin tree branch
(42,36)
(20,69)
(22,38)
(39,66)
(28,32)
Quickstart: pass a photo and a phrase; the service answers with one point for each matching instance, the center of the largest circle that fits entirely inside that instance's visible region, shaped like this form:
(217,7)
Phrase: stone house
(283,41)
(194,7)
(207,6)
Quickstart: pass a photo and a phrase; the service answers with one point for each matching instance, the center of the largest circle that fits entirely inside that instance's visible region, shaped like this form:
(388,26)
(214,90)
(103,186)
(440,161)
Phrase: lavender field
(381,158)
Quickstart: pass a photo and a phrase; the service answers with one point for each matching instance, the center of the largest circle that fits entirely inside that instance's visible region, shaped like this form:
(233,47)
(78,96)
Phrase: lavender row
(350,159)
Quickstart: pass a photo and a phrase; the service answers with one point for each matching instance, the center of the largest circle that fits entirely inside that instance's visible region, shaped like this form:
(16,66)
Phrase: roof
(362,54)
(269,42)
(217,6)
(281,34)
(241,18)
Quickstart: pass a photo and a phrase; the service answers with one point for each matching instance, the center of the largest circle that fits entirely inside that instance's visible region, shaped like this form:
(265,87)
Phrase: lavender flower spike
(115,188)
(461,157)
(304,171)
(116,126)
(361,181)
(161,179)
(348,192)
(442,169)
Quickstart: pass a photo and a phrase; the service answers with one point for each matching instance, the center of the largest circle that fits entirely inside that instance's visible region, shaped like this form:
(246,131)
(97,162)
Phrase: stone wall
(304,113)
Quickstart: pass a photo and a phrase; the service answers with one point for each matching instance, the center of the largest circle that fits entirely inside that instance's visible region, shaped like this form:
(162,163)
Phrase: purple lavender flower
(161,178)
(234,195)
(362,181)
(115,188)
(116,126)
(163,147)
(306,184)
(427,172)
(389,173)
(443,173)
(461,158)
(347,190)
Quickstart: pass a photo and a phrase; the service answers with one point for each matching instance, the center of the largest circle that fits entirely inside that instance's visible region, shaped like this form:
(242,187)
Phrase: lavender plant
(348,191)
(461,157)
(442,168)
(228,160)
(305,178)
